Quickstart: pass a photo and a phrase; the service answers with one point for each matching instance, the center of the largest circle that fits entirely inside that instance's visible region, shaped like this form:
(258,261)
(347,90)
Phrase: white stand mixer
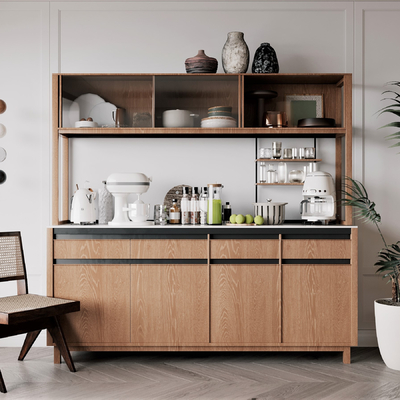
(120,185)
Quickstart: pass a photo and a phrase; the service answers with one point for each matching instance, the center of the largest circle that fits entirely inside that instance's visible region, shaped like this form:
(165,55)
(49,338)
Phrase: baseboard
(367,338)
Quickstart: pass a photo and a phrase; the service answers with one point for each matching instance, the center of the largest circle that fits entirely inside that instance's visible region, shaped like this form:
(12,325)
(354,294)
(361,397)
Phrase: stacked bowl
(219,117)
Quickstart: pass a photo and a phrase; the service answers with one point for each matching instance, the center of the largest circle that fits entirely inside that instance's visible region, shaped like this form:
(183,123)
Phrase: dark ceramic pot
(265,60)
(201,64)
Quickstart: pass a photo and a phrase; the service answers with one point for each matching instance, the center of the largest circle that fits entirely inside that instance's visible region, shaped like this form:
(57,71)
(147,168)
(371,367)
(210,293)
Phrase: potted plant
(387,311)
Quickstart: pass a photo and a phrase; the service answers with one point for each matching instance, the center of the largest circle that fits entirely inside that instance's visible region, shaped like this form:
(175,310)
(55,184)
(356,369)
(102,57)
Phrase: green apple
(259,220)
(232,219)
(240,219)
(249,219)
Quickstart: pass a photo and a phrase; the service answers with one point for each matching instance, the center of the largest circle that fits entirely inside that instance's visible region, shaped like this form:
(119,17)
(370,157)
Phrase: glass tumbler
(309,152)
(287,153)
(276,149)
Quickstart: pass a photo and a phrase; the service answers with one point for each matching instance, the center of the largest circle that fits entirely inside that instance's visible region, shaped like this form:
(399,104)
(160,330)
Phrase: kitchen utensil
(218,122)
(120,185)
(102,114)
(271,174)
(178,118)
(262,173)
(138,212)
(319,198)
(273,213)
(276,149)
(141,120)
(316,122)
(287,153)
(160,214)
(296,176)
(282,172)
(309,152)
(83,207)
(118,117)
(86,124)
(214,205)
(86,102)
(274,119)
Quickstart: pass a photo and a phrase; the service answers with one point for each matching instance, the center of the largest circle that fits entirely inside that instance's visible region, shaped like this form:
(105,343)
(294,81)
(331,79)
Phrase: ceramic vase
(235,54)
(201,63)
(106,207)
(387,322)
(265,60)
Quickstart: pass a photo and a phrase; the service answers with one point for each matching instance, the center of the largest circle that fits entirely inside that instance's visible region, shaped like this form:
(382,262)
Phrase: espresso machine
(121,185)
(319,196)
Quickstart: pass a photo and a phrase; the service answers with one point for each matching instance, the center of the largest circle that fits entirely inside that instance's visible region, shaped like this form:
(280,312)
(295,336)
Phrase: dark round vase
(201,63)
(265,60)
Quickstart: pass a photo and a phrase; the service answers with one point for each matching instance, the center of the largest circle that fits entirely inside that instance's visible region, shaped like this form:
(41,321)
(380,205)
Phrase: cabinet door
(170,304)
(90,248)
(316,304)
(104,293)
(245,303)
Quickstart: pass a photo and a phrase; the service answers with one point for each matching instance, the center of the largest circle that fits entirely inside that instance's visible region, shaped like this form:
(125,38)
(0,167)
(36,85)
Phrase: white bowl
(218,122)
(85,124)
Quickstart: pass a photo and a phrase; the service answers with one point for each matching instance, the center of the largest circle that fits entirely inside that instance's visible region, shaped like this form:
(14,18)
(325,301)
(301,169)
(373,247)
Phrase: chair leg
(29,340)
(57,334)
(2,384)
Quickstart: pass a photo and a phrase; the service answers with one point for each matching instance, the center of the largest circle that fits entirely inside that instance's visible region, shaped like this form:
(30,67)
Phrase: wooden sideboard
(208,288)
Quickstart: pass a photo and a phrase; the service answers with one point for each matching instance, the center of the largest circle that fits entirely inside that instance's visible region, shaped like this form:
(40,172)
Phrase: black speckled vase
(265,60)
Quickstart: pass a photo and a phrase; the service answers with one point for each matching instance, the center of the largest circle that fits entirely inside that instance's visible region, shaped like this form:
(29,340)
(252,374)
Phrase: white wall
(40,38)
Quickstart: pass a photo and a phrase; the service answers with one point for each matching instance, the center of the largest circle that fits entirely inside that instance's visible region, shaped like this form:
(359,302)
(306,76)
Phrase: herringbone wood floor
(199,376)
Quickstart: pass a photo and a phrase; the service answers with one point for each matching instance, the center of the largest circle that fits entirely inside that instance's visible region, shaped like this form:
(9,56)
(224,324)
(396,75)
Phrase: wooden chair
(28,313)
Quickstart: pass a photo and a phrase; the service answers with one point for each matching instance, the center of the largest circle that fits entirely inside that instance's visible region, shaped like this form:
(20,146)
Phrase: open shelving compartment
(155,93)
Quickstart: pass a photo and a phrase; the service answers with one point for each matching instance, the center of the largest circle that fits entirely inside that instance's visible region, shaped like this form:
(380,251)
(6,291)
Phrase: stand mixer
(319,195)
(120,185)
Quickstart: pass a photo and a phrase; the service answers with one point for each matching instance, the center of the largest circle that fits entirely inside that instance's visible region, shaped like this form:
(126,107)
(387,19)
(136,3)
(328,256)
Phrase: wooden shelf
(303,160)
(168,132)
(279,184)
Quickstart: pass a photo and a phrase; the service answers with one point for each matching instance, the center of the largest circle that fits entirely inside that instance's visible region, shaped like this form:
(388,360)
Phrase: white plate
(102,114)
(86,103)
(85,124)
(70,113)
(218,122)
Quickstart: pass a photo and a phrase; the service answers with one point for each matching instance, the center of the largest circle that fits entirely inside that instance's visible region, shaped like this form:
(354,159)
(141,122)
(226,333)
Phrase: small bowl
(219,114)
(86,124)
(220,108)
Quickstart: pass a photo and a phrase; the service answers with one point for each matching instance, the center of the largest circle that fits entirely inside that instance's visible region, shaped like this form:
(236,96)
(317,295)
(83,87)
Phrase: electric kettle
(83,207)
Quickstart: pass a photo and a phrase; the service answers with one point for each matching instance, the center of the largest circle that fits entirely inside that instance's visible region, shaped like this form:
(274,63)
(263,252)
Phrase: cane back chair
(28,313)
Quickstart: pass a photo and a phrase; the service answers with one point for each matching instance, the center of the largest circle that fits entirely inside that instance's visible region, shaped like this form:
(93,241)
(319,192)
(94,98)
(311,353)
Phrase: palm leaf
(356,196)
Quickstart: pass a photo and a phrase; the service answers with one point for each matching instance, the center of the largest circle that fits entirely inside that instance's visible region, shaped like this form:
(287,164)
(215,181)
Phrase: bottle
(203,206)
(185,207)
(227,212)
(271,174)
(174,213)
(263,172)
(214,205)
(194,207)
(282,172)
(106,209)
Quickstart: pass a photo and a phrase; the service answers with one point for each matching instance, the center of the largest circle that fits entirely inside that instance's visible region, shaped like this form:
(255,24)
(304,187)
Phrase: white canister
(178,119)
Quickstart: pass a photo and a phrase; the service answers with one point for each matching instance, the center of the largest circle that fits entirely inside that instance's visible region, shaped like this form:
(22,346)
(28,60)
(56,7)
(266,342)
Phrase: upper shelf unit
(144,98)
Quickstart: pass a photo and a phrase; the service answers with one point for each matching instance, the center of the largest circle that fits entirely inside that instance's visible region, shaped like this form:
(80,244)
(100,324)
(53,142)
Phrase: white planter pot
(387,321)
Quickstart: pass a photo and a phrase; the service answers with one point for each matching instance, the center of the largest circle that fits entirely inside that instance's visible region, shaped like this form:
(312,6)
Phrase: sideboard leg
(347,355)
(57,355)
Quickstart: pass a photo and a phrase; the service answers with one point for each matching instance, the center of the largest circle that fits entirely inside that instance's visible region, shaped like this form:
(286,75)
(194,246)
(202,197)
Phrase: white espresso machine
(319,196)
(121,185)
